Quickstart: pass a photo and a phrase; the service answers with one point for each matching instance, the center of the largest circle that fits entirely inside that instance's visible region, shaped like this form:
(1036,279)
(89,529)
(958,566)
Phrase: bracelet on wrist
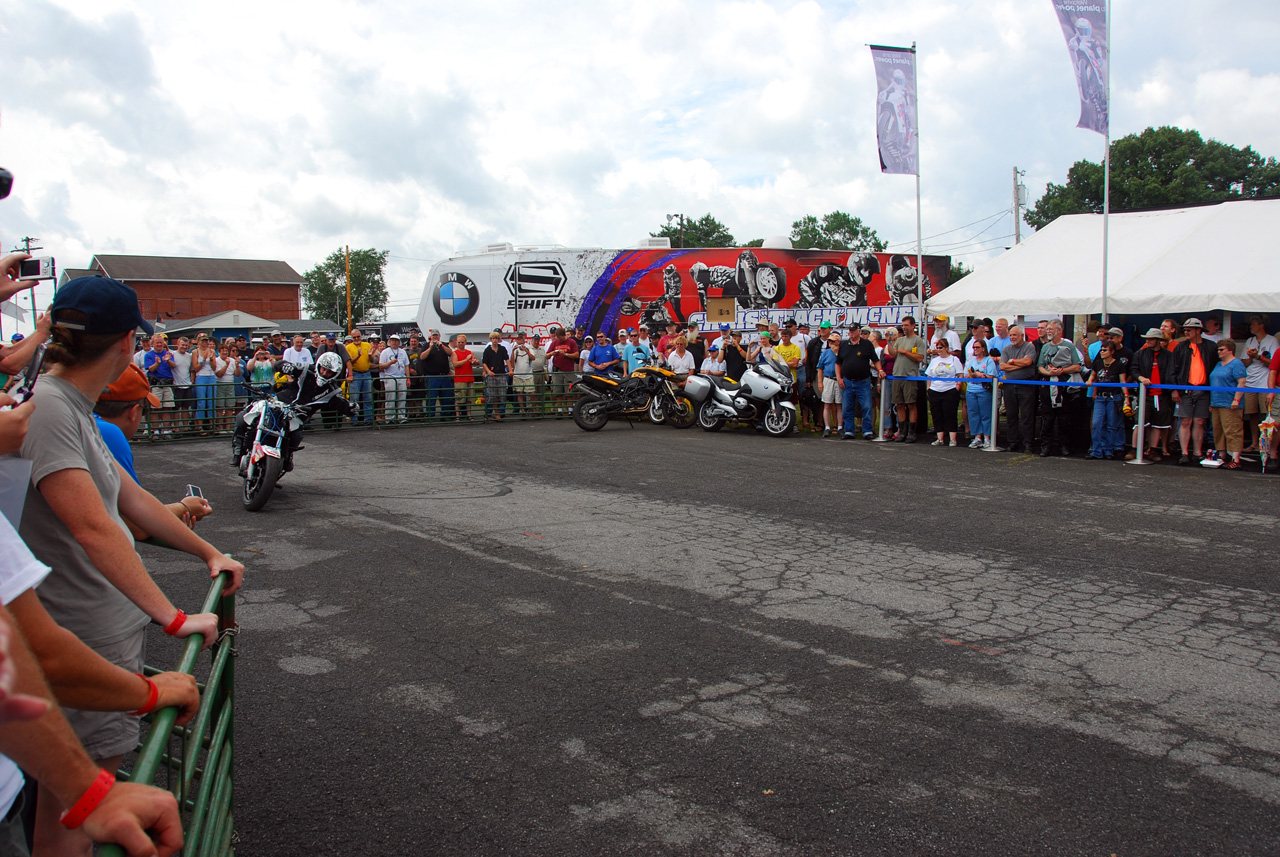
(176,625)
(152,698)
(88,802)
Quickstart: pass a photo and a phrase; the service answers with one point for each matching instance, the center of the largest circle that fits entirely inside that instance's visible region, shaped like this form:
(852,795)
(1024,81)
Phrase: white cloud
(285,129)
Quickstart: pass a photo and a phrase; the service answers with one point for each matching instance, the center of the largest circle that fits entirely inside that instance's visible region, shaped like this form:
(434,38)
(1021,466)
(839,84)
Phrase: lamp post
(680,217)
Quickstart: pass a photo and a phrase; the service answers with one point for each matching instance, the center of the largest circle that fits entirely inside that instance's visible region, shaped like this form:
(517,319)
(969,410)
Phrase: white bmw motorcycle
(761,397)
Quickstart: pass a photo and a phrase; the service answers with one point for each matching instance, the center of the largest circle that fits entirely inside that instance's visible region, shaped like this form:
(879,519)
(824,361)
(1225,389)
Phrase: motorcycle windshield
(781,367)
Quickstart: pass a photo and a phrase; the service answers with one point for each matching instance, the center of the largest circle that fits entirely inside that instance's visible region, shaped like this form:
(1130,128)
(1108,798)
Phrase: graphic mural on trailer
(613,289)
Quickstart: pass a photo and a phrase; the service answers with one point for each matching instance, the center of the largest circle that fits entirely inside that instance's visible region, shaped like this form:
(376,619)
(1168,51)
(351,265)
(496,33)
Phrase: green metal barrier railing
(200,773)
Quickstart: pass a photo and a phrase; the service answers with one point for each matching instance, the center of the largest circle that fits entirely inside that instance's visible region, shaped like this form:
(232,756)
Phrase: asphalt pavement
(521,638)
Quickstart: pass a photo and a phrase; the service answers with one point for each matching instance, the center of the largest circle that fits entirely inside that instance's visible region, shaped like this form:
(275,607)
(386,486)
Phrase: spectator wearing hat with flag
(393,368)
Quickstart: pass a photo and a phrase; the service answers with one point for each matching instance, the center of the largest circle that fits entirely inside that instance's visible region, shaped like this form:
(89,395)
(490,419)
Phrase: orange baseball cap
(130,387)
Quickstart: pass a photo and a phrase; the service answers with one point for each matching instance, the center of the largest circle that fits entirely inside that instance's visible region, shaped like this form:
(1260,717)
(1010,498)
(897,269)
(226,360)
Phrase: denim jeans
(362,395)
(439,387)
(978,399)
(1108,427)
(857,392)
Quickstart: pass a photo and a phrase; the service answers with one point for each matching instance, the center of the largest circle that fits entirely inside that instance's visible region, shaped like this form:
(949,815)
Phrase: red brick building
(177,287)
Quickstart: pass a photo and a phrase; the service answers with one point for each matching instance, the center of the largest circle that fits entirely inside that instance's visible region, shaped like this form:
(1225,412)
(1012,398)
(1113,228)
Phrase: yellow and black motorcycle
(653,390)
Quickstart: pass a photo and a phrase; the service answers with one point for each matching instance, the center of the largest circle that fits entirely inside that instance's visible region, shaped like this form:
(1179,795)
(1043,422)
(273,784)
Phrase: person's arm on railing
(81,678)
(111,551)
(142,819)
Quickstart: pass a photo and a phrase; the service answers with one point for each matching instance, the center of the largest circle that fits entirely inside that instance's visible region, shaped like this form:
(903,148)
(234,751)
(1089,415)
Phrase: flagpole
(924,320)
(1106,169)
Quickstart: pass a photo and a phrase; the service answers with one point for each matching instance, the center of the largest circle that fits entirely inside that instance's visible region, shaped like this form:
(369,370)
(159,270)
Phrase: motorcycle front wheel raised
(779,422)
(590,414)
(680,413)
(708,419)
(258,486)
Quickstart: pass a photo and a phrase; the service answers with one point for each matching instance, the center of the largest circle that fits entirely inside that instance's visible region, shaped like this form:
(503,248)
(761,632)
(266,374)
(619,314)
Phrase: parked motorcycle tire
(589,414)
(680,413)
(258,488)
(709,420)
(779,422)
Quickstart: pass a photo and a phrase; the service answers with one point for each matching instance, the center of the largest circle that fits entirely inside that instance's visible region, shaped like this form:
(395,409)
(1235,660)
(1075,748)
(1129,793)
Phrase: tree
(959,270)
(836,231)
(1160,167)
(324,287)
(706,231)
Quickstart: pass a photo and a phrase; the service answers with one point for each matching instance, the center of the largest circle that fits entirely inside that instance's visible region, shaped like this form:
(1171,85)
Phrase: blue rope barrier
(1130,385)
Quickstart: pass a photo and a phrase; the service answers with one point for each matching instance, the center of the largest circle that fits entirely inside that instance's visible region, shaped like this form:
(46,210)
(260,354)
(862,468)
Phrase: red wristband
(176,625)
(151,700)
(74,817)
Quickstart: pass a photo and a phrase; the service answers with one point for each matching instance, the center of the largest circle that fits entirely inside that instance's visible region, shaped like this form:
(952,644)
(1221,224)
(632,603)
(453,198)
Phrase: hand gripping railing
(200,775)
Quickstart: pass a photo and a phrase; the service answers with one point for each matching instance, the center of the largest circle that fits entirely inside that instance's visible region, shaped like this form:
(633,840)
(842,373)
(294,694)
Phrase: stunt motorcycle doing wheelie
(652,390)
(269,431)
(762,397)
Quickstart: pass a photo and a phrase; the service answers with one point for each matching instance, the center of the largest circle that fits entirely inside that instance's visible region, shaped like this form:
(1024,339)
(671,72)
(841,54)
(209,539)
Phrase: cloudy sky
(284,130)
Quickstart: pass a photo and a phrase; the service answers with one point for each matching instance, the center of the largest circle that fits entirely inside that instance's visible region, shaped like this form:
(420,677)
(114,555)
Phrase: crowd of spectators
(940,386)
(76,594)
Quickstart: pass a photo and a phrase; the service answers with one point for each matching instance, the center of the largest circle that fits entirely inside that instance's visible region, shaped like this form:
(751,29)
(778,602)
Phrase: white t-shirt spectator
(943,369)
(397,357)
(302,357)
(181,368)
(1259,371)
(681,365)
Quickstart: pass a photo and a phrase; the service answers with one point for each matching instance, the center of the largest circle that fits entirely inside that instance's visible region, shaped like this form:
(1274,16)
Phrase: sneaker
(1184,460)
(955,443)
(910,439)
(826,432)
(977,443)
(938,443)
(839,429)
(849,437)
(866,435)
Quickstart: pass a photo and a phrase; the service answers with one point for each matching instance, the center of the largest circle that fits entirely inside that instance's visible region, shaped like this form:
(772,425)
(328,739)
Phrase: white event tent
(1180,261)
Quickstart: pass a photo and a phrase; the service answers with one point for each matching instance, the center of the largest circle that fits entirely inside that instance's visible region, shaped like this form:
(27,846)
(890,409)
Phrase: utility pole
(348,287)
(27,248)
(1019,200)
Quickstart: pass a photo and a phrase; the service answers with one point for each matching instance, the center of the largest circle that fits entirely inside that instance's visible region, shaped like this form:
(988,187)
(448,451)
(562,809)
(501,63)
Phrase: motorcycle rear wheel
(707,419)
(589,414)
(779,422)
(258,487)
(680,413)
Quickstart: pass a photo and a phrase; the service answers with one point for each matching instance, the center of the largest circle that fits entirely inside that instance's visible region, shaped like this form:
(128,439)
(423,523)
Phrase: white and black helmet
(329,366)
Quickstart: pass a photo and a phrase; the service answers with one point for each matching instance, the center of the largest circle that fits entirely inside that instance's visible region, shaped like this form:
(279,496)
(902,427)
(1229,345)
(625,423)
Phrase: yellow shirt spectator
(786,352)
(359,354)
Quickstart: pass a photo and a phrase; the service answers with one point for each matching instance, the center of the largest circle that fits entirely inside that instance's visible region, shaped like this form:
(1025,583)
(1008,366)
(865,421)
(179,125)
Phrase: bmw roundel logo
(456,298)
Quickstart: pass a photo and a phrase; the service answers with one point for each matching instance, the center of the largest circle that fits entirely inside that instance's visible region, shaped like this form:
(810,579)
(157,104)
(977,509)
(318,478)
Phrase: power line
(910,242)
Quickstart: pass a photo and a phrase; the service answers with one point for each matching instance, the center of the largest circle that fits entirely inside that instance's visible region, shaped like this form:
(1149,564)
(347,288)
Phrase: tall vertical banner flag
(896,131)
(1084,24)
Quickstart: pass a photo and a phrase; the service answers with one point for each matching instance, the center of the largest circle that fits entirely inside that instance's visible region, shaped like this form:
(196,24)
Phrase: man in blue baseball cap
(98,305)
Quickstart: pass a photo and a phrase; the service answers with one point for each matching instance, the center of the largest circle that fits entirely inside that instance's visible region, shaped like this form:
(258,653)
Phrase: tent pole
(1106,172)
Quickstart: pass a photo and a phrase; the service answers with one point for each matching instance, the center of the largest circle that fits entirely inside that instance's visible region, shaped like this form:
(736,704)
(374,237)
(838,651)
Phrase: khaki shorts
(831,392)
(164,394)
(111,733)
(904,392)
(1255,403)
(524,382)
